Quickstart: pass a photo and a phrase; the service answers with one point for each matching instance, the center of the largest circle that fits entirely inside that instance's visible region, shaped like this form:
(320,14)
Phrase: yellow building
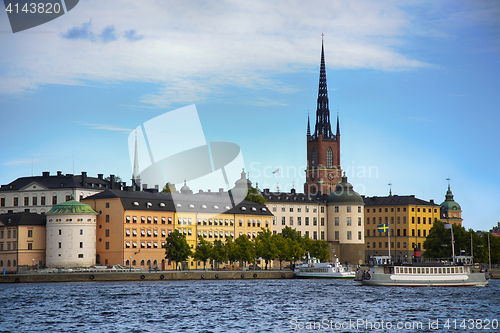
(22,241)
(409,220)
(132,227)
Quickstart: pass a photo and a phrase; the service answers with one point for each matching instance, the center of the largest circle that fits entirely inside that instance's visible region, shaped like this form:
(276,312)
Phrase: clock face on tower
(331,176)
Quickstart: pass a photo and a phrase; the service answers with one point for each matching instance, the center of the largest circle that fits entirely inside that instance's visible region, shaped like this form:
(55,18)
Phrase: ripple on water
(230,305)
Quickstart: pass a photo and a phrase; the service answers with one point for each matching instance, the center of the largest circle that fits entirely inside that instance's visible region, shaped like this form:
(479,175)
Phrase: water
(243,306)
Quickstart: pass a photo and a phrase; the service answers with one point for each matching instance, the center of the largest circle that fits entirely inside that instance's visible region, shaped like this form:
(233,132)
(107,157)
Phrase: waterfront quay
(92,276)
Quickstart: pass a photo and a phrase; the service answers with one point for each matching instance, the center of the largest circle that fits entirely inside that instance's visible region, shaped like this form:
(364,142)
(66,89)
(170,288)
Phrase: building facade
(132,226)
(71,235)
(409,220)
(22,241)
(323,170)
(38,194)
(346,224)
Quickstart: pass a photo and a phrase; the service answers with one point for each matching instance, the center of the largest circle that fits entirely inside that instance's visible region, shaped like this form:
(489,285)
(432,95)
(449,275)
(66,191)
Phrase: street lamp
(33,266)
(130,258)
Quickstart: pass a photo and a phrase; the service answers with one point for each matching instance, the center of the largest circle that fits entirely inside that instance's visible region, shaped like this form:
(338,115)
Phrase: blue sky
(416,84)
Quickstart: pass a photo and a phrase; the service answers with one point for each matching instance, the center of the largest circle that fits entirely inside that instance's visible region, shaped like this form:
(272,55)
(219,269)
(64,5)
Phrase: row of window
(348,221)
(8,263)
(34,201)
(299,209)
(134,263)
(144,232)
(299,221)
(12,233)
(220,222)
(429,270)
(398,233)
(142,244)
(222,234)
(398,245)
(149,219)
(59,245)
(349,235)
(10,246)
(424,220)
(398,209)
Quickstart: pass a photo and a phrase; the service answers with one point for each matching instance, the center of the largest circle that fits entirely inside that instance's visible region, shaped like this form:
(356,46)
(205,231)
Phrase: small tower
(323,147)
(451,212)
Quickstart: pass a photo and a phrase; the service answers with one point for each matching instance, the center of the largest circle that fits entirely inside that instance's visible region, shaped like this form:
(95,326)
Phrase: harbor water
(246,306)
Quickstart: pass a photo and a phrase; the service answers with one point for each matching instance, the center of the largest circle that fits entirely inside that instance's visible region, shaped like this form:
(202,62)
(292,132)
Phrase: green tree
(245,249)
(177,248)
(319,250)
(288,232)
(169,188)
(265,247)
(281,244)
(254,196)
(203,250)
(218,253)
(295,249)
(231,250)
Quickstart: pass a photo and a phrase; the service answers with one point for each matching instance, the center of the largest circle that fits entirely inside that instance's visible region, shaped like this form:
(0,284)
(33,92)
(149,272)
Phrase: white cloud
(111,128)
(193,49)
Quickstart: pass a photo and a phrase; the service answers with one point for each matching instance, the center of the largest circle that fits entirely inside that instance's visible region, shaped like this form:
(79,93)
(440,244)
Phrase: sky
(415,84)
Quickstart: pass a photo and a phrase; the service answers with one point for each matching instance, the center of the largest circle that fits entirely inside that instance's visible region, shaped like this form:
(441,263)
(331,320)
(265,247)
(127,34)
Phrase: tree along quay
(145,276)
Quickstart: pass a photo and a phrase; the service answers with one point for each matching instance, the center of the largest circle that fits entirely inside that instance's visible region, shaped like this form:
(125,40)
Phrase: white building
(71,235)
(38,194)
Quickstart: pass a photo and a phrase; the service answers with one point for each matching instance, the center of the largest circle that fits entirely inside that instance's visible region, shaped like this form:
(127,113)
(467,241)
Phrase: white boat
(425,273)
(316,269)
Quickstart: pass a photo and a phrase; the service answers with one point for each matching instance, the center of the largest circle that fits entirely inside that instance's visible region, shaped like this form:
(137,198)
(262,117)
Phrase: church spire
(338,125)
(308,126)
(323,126)
(136,180)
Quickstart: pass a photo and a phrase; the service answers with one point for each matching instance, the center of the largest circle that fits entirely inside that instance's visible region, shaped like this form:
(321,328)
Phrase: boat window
(406,270)
(448,270)
(461,269)
(414,270)
(418,270)
(427,271)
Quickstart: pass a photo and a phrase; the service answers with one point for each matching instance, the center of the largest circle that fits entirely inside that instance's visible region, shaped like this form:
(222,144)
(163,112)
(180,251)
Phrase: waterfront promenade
(145,276)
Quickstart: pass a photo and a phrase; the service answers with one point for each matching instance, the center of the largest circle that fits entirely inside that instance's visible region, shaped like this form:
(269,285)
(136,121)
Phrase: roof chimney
(111,182)
(100,176)
(84,179)
(59,173)
(45,174)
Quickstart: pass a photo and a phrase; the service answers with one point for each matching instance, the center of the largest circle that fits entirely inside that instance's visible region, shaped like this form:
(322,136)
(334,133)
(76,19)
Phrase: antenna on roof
(390,188)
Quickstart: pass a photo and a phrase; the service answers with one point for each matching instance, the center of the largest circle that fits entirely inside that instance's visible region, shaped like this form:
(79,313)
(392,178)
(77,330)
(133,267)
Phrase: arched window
(142,262)
(1,263)
(8,263)
(127,263)
(134,262)
(329,158)
(313,158)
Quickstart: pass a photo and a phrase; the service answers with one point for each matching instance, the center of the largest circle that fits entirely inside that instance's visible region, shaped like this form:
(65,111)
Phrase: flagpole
(389,239)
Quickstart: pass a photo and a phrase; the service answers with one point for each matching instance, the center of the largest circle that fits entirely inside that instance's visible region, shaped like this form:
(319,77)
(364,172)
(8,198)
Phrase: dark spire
(338,125)
(308,126)
(323,126)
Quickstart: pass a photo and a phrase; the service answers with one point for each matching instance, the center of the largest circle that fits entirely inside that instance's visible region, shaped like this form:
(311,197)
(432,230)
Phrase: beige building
(345,224)
(71,235)
(22,241)
(303,212)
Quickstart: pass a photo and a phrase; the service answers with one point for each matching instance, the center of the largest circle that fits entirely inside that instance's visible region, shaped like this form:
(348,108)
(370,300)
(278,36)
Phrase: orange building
(22,241)
(132,228)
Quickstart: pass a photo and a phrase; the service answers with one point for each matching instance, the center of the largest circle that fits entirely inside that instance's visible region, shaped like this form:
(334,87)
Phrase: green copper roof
(71,207)
(345,194)
(449,203)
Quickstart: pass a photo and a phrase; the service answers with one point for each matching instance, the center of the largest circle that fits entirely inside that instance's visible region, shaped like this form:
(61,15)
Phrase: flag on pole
(382,227)
(276,171)
(447,225)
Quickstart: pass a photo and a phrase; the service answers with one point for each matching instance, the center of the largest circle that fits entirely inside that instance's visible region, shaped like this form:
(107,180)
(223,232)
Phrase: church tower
(323,147)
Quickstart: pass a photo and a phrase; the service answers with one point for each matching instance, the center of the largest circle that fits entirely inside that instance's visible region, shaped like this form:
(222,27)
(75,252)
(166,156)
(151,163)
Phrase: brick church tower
(323,147)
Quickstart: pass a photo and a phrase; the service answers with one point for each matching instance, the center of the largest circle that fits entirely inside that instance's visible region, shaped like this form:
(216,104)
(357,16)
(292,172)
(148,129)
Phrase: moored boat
(461,271)
(316,269)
